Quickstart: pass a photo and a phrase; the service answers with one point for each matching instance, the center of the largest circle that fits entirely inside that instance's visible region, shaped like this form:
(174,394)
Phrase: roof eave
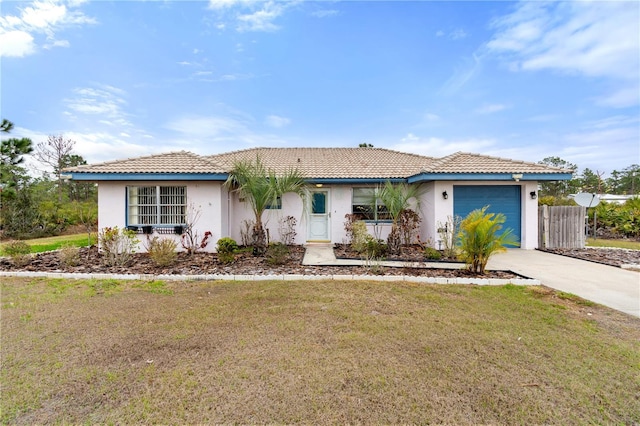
(431,176)
(111,176)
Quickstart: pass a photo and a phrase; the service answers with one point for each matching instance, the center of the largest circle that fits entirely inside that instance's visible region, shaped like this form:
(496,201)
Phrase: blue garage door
(503,199)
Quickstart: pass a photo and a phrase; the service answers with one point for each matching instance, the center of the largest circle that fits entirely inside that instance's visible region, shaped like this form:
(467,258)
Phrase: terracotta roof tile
(321,163)
(332,163)
(464,162)
(172,162)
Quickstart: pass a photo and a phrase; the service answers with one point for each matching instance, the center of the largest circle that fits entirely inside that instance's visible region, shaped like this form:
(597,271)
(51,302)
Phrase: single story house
(152,193)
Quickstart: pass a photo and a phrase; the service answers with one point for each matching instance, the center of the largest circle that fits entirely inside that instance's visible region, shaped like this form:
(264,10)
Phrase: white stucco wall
(222,213)
(207,197)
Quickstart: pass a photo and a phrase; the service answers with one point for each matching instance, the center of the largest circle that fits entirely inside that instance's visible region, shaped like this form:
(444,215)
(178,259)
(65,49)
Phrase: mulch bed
(412,253)
(245,264)
(607,256)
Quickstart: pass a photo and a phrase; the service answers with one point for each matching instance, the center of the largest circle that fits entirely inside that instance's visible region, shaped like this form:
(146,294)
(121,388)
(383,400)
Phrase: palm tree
(479,238)
(261,187)
(396,198)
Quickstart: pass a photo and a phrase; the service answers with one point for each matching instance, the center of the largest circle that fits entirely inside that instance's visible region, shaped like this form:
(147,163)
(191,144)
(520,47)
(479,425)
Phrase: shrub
(350,220)
(117,245)
(277,254)
(478,238)
(18,251)
(226,248)
(287,230)
(359,236)
(432,254)
(408,223)
(162,251)
(69,254)
(374,248)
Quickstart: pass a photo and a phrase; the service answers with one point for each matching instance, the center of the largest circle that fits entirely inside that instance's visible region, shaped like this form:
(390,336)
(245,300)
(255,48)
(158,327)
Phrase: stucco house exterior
(152,193)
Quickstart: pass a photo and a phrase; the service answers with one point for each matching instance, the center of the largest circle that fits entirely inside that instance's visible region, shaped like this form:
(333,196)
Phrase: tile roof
(332,163)
(464,162)
(321,163)
(172,162)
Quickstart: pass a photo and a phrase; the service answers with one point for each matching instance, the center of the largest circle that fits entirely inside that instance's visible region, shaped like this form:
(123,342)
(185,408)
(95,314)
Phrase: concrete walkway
(610,286)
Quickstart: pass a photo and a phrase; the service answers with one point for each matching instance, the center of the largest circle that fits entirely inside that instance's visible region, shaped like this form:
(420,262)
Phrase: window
(366,204)
(275,206)
(157,205)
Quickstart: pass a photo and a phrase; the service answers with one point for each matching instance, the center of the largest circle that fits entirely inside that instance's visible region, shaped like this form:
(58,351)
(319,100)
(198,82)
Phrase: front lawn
(626,244)
(126,352)
(39,245)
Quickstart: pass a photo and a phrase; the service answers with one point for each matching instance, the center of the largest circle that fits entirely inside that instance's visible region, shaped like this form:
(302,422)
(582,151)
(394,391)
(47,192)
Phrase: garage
(503,199)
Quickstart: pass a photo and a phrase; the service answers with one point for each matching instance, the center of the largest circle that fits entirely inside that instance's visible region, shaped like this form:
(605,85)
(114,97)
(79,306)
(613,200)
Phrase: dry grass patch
(313,352)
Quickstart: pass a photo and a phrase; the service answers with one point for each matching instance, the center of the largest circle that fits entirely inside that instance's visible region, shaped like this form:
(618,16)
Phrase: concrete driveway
(610,286)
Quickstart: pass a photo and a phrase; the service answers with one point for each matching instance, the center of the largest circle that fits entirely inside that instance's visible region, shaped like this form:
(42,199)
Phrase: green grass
(135,352)
(39,245)
(626,244)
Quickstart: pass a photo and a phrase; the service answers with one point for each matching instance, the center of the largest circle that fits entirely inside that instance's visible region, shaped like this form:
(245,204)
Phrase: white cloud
(251,16)
(104,100)
(221,4)
(261,20)
(325,13)
(42,19)
(439,33)
(594,39)
(457,34)
(16,43)
(439,147)
(490,108)
(277,121)
(431,117)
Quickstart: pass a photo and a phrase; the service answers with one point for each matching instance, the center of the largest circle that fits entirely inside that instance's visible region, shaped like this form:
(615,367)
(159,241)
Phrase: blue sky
(522,80)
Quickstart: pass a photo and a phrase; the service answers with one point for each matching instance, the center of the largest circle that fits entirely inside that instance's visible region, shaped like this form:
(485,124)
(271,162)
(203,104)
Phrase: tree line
(620,182)
(34,206)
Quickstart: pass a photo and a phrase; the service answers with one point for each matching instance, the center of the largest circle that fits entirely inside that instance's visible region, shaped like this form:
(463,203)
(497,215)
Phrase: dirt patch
(607,256)
(91,261)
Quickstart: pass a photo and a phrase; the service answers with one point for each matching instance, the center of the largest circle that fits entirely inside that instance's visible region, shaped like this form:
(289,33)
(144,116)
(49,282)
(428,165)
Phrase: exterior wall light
(318,185)
(445,195)
(517,176)
(533,195)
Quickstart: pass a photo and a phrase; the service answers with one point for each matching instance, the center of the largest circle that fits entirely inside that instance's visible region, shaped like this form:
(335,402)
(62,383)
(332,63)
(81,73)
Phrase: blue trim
(423,177)
(149,176)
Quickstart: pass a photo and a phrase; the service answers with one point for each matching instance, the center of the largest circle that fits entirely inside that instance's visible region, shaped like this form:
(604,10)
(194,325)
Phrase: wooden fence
(561,227)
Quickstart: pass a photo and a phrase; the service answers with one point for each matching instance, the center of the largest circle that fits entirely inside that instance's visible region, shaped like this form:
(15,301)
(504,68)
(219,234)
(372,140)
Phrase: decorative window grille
(365,203)
(157,205)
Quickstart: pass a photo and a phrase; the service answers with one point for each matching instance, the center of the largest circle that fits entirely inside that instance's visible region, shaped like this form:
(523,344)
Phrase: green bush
(117,245)
(432,254)
(373,248)
(277,254)
(162,251)
(18,251)
(359,236)
(479,238)
(622,219)
(226,248)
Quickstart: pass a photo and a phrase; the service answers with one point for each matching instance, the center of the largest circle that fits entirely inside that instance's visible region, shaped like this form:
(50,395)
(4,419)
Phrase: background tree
(560,188)
(592,182)
(54,153)
(261,187)
(12,152)
(626,181)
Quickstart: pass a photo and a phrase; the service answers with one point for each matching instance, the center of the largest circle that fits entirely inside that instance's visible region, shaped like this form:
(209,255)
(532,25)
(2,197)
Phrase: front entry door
(319,214)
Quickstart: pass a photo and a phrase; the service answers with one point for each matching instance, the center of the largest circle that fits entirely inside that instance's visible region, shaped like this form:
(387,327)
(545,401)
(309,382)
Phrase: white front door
(319,215)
